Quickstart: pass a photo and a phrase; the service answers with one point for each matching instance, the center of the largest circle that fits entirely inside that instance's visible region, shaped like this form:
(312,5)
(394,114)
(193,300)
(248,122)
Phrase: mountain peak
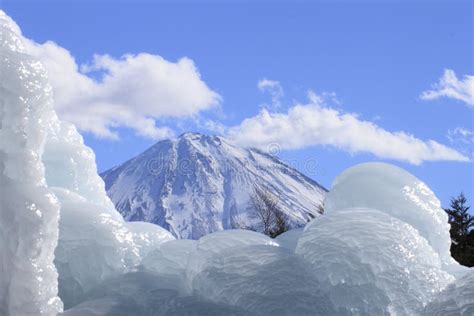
(201,141)
(190,135)
(198,184)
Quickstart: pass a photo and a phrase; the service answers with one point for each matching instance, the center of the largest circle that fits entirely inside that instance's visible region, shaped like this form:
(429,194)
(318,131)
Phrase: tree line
(462,232)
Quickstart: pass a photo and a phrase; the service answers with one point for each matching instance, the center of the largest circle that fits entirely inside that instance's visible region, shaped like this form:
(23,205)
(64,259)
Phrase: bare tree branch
(266,210)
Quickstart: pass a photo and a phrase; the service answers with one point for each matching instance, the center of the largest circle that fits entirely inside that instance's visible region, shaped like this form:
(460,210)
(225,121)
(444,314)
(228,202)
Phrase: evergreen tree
(462,235)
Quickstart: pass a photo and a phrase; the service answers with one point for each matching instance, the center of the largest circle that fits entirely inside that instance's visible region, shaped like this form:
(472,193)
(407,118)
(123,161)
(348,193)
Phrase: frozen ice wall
(29,212)
(95,243)
(47,171)
(71,165)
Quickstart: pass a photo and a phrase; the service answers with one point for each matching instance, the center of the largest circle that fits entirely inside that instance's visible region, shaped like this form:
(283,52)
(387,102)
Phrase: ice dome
(226,239)
(214,243)
(289,239)
(148,237)
(396,192)
(171,261)
(263,280)
(371,263)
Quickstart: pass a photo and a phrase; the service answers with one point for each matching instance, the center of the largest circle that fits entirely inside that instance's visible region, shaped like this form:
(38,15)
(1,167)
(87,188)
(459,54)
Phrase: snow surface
(381,248)
(197,184)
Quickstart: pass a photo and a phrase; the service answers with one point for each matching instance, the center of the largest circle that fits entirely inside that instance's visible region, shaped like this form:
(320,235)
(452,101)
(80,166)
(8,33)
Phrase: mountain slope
(197,184)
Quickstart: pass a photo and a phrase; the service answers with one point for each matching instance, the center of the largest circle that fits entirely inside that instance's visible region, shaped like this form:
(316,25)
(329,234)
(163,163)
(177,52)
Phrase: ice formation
(45,169)
(262,280)
(372,263)
(395,192)
(382,248)
(289,239)
(95,243)
(456,299)
(29,212)
(213,244)
(363,257)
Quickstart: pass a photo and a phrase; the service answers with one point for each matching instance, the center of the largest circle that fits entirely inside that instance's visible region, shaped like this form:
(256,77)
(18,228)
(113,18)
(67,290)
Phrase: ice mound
(93,246)
(396,192)
(456,299)
(371,263)
(29,212)
(141,293)
(262,280)
(214,243)
(148,237)
(289,239)
(351,261)
(171,262)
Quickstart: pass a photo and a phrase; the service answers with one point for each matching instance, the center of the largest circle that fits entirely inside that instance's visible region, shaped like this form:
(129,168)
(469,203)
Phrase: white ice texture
(47,175)
(371,263)
(397,193)
(382,248)
(29,212)
(456,299)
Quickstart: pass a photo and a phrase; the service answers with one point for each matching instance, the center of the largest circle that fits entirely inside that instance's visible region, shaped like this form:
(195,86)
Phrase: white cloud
(132,91)
(463,139)
(315,123)
(461,134)
(275,90)
(213,126)
(449,86)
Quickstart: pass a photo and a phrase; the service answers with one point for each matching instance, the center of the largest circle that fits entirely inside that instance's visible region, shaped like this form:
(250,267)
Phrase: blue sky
(367,58)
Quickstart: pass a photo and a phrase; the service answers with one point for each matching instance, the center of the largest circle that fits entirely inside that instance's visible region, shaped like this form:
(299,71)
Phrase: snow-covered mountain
(197,184)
